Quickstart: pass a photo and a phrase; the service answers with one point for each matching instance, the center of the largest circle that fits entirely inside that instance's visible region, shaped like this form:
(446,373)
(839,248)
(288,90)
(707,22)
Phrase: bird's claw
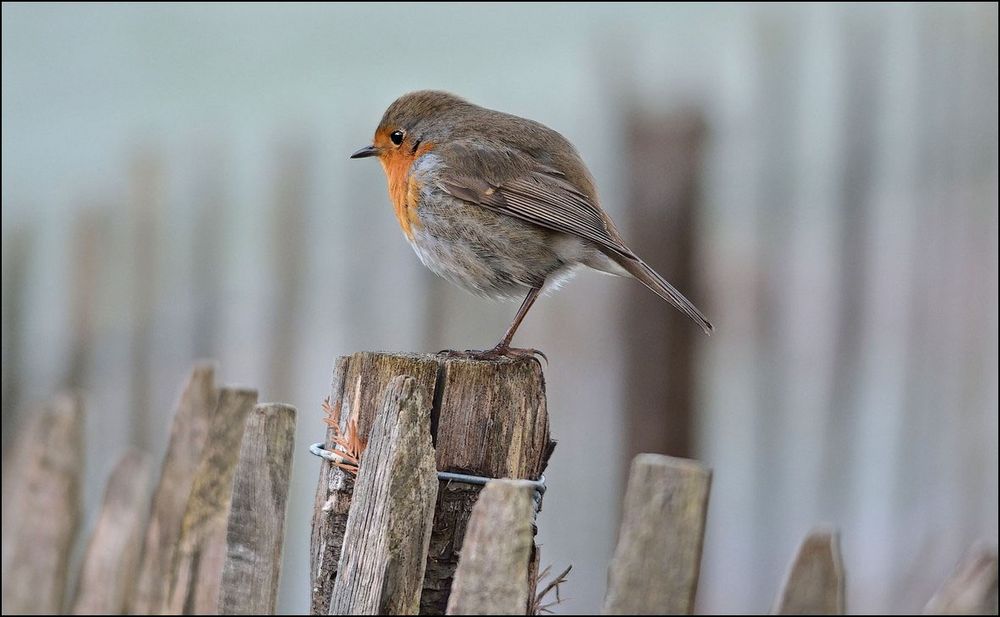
(495,354)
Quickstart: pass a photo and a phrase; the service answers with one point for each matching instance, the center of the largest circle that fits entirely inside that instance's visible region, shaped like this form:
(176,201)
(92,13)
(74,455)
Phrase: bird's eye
(396,137)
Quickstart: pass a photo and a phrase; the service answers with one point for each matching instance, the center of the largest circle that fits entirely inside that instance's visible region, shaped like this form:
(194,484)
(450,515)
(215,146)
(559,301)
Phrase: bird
(500,205)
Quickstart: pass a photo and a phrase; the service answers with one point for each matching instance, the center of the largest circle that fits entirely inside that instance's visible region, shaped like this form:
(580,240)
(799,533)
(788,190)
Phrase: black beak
(365,152)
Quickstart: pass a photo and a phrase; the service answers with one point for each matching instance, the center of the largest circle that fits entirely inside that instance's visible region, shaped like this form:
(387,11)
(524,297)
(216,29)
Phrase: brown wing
(511,182)
(526,189)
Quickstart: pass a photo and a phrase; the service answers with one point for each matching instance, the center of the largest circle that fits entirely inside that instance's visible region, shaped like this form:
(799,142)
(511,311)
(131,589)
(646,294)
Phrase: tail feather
(658,285)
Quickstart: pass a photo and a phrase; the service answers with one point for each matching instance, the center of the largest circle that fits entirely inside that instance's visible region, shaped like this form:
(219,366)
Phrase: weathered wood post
(488,418)
(656,565)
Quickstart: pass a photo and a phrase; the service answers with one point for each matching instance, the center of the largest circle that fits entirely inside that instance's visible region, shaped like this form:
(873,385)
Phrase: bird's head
(413,120)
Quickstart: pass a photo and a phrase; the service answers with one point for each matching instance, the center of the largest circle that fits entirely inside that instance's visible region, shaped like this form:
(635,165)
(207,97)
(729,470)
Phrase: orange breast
(404,190)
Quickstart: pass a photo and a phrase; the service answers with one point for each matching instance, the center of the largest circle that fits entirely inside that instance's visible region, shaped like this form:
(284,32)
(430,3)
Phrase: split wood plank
(256,529)
(389,526)
(357,391)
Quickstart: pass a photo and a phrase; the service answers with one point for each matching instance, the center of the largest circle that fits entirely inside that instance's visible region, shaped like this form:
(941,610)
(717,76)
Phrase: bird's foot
(495,354)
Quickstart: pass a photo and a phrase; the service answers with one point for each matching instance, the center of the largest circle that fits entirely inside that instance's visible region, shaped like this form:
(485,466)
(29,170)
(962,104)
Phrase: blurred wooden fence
(209,540)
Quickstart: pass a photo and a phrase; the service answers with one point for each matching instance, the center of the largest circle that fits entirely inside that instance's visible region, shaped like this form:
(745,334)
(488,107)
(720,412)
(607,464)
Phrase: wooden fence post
(492,421)
(506,395)
(47,503)
(972,587)
(192,419)
(492,574)
(108,573)
(389,526)
(815,581)
(196,573)
(256,530)
(656,565)
(359,382)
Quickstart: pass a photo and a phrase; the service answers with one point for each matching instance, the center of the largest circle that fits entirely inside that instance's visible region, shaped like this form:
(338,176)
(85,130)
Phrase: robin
(499,205)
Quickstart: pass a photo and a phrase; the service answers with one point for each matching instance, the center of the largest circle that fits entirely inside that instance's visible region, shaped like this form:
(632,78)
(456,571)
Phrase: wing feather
(515,184)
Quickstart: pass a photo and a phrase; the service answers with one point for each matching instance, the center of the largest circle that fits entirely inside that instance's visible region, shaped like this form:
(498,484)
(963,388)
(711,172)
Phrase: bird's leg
(503,348)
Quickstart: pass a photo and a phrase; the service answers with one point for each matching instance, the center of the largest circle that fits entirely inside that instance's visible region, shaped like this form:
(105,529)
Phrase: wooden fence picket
(815,581)
(196,574)
(108,573)
(389,526)
(492,574)
(656,565)
(972,587)
(188,434)
(46,511)
(256,530)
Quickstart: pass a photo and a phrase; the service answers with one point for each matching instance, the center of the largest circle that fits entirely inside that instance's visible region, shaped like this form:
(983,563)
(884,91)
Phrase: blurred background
(821,180)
